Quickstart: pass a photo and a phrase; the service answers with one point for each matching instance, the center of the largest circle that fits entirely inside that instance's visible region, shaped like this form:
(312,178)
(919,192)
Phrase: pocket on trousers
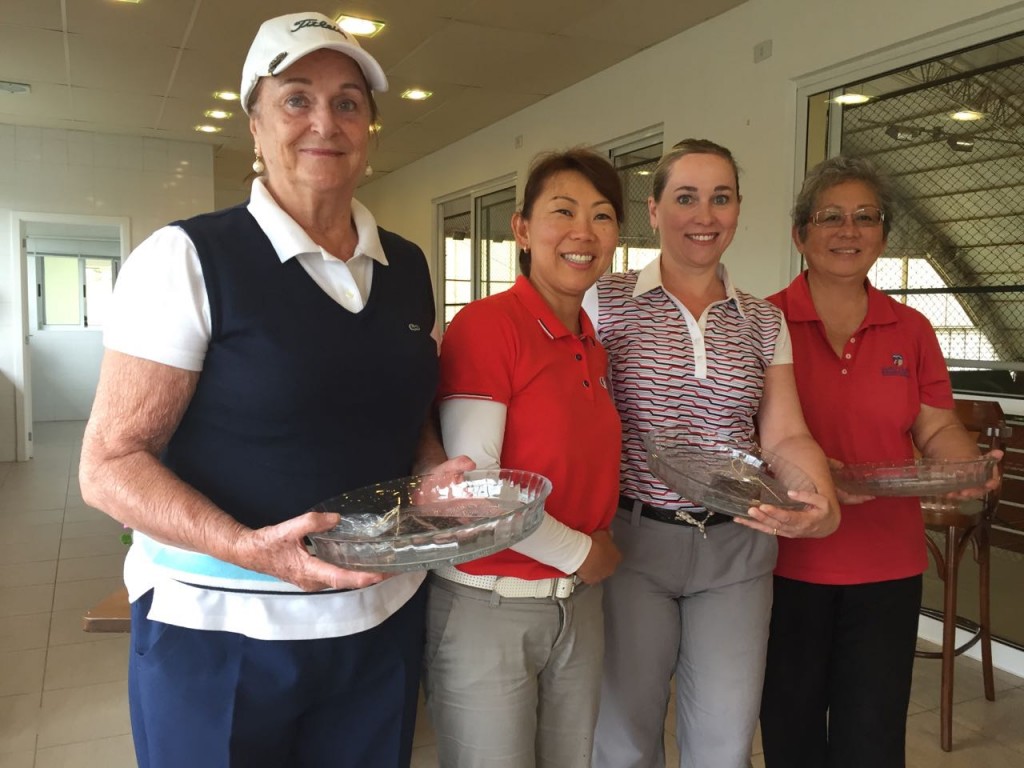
(153,641)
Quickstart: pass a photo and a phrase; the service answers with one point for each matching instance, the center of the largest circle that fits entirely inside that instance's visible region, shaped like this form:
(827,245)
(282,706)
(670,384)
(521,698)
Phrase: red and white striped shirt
(667,367)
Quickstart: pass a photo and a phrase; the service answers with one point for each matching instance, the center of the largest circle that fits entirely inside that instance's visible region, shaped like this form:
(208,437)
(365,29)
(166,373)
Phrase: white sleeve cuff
(557,545)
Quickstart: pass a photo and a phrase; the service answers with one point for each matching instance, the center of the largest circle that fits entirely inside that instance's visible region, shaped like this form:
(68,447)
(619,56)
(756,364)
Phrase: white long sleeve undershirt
(476,428)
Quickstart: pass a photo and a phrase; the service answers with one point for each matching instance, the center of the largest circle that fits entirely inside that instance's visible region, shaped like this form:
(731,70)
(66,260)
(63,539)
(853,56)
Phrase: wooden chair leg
(948,640)
(985,628)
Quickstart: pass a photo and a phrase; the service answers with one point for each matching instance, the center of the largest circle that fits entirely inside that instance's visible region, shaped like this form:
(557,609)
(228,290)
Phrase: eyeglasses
(834,218)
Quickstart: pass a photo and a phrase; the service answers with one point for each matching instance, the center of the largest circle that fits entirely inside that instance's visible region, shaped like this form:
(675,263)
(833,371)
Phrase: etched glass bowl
(722,474)
(914,477)
(428,521)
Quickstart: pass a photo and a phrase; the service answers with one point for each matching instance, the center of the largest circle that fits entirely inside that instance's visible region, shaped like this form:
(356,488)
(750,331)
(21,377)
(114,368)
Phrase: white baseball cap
(284,40)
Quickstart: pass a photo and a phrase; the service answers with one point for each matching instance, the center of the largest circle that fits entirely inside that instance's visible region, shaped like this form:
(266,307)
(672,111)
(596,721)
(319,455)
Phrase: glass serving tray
(428,521)
(722,474)
(914,477)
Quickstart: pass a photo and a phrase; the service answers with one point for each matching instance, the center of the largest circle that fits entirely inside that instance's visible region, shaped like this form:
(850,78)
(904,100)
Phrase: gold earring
(369,170)
(257,165)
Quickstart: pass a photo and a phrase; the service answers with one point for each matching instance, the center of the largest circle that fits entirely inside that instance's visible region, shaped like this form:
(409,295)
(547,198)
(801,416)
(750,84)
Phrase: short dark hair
(593,167)
(838,170)
(690,147)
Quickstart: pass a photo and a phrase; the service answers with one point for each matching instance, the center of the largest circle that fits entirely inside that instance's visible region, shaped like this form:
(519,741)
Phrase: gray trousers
(512,683)
(691,607)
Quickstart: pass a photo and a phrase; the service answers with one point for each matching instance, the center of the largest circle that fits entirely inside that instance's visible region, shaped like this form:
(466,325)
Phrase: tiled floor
(62,691)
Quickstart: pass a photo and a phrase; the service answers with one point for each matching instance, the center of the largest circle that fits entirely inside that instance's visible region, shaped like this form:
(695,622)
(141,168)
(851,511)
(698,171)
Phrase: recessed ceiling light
(208,128)
(851,98)
(136,2)
(967,115)
(357,26)
(218,114)
(416,94)
(225,95)
(7,86)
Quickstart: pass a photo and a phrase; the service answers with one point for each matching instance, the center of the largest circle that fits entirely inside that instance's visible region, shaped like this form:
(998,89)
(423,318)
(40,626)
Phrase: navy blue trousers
(837,681)
(216,699)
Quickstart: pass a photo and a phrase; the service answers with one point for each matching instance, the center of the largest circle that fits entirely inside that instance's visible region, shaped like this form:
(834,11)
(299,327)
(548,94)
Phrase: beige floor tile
(82,595)
(19,722)
(424,757)
(967,681)
(671,750)
(28,574)
(87,546)
(66,629)
(34,490)
(25,632)
(80,513)
(424,733)
(94,567)
(23,672)
(26,532)
(16,552)
(73,666)
(71,715)
(1001,720)
(116,752)
(17,760)
(971,749)
(17,601)
(52,458)
(16,519)
(107,526)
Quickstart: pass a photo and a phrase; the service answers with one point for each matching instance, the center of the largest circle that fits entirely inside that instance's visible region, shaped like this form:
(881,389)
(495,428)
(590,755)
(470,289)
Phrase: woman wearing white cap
(261,359)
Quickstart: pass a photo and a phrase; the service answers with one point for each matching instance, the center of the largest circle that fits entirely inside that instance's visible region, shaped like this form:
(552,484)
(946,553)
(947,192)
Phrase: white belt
(510,586)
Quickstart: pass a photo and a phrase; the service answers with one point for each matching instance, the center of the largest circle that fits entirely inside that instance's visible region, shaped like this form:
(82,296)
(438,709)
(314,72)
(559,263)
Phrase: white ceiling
(150,69)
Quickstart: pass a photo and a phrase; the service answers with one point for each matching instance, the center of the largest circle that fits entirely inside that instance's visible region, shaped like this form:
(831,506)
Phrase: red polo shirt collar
(801,306)
(546,318)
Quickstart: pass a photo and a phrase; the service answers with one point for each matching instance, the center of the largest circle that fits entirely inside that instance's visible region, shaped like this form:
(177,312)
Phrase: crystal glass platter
(722,474)
(915,477)
(428,521)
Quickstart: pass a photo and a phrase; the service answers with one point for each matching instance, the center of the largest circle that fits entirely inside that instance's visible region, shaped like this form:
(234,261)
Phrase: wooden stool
(964,524)
(111,614)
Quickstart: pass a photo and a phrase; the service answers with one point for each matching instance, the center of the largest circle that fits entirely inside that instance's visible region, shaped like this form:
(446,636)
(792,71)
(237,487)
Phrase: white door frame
(22,353)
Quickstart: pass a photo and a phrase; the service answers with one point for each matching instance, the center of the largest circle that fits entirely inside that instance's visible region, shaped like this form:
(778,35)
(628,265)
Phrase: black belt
(668,516)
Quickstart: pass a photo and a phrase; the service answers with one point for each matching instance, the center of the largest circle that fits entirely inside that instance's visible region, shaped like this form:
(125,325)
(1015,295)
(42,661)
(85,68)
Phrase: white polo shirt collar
(290,240)
(650,278)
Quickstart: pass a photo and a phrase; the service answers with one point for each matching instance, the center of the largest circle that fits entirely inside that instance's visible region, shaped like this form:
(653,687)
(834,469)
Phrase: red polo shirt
(860,407)
(560,422)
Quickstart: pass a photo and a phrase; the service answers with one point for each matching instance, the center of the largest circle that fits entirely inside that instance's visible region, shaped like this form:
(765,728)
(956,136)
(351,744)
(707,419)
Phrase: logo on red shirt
(897,367)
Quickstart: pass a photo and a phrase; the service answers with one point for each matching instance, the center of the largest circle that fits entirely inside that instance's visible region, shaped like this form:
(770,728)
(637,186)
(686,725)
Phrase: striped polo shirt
(669,368)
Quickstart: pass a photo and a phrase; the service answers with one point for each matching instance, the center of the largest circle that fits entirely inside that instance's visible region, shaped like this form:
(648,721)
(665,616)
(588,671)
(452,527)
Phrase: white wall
(151,181)
(701,83)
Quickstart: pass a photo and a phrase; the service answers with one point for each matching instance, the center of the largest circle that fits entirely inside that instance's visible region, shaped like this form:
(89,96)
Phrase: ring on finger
(775,532)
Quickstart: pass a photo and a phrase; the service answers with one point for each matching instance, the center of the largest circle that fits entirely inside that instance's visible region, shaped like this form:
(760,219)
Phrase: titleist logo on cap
(302,23)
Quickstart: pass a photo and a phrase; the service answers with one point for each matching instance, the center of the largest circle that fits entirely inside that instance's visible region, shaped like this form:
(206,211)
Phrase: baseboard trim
(1004,657)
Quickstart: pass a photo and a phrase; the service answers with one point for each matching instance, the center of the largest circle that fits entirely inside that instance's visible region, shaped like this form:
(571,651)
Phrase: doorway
(66,266)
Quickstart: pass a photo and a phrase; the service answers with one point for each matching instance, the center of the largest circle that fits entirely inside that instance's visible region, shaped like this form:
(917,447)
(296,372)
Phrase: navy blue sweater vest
(300,399)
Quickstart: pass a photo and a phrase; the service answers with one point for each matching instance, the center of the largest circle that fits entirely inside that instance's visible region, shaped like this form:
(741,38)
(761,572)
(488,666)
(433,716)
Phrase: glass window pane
(61,291)
(495,243)
(99,286)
